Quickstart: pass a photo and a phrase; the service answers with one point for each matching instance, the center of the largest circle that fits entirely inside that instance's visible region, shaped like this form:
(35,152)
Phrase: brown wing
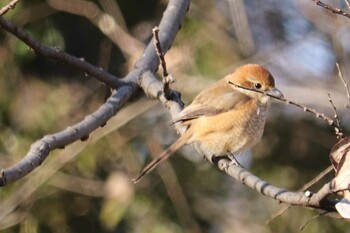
(217,98)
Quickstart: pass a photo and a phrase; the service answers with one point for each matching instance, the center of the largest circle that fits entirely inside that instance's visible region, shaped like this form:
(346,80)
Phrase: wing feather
(215,99)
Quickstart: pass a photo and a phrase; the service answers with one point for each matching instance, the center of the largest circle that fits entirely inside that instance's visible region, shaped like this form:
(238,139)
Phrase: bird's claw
(234,161)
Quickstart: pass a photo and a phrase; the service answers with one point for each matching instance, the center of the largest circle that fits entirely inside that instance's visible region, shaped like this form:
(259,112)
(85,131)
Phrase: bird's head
(255,77)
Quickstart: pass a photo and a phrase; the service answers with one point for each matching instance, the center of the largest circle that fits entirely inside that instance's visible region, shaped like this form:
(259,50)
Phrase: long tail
(163,156)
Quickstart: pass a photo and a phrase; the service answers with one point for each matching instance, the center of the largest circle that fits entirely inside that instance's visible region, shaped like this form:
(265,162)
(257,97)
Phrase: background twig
(332,9)
(9,6)
(341,77)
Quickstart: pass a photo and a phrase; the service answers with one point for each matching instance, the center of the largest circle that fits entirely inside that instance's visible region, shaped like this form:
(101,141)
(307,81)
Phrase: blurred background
(86,187)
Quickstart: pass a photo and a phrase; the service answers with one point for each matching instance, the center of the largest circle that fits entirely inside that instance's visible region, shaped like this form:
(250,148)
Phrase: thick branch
(168,27)
(153,89)
(170,24)
(41,149)
(314,200)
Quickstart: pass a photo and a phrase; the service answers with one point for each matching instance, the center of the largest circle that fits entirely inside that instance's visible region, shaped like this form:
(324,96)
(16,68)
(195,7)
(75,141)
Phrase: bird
(226,118)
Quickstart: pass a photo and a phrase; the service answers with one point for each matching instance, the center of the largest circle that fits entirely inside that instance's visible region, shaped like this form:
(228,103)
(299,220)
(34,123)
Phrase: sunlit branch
(9,6)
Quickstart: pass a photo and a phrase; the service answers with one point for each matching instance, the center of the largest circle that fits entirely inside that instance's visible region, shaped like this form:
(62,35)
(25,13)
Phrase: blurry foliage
(135,11)
(39,96)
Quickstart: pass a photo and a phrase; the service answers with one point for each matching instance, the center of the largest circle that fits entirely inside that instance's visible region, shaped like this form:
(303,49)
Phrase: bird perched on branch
(224,119)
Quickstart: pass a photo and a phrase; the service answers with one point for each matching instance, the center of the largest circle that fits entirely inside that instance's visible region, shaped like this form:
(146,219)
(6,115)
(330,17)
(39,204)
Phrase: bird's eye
(257,85)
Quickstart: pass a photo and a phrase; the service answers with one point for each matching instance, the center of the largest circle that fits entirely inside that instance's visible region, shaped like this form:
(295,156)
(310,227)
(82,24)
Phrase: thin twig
(338,131)
(340,75)
(316,179)
(159,51)
(278,213)
(332,9)
(303,188)
(8,7)
(303,107)
(167,79)
(308,221)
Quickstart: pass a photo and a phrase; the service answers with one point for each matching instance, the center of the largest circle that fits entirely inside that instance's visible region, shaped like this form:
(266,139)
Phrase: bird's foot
(233,159)
(233,162)
(225,161)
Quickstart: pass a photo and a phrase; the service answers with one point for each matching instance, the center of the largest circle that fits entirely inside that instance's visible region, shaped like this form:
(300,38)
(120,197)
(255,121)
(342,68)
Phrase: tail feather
(163,156)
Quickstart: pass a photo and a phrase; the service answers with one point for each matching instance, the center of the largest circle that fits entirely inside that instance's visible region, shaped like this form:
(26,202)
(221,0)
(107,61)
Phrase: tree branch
(307,199)
(148,62)
(153,89)
(61,56)
(332,9)
(80,131)
(9,6)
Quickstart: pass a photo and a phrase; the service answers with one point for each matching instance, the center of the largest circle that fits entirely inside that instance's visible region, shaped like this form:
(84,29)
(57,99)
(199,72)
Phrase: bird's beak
(275,92)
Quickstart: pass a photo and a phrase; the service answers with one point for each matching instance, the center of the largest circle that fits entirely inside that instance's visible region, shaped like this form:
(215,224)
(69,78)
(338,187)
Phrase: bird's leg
(233,161)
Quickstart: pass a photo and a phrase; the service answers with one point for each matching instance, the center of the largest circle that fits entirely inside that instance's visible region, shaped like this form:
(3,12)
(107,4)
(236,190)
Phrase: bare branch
(153,89)
(80,131)
(149,83)
(332,9)
(40,176)
(61,56)
(307,199)
(39,151)
(9,6)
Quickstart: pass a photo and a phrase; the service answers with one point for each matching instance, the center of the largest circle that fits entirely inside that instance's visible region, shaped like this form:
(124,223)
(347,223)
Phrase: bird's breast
(231,131)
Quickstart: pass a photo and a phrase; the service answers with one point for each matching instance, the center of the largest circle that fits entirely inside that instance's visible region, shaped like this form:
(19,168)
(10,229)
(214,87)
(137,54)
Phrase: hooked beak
(275,92)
